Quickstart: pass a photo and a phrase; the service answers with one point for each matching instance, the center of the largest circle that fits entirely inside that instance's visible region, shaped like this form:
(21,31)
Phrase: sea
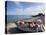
(13,18)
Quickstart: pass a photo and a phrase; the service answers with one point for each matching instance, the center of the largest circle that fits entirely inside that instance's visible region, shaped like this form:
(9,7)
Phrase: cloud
(30,10)
(18,4)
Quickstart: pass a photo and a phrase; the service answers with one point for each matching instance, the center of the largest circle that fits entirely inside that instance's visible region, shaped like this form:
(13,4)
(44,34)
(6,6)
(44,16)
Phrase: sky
(24,8)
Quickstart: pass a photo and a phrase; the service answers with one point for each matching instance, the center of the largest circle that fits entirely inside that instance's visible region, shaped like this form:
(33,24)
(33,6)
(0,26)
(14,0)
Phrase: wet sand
(9,26)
